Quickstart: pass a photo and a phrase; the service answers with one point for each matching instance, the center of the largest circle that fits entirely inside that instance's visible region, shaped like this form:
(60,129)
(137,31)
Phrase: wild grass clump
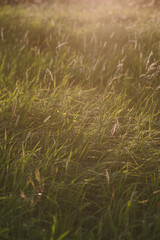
(79,122)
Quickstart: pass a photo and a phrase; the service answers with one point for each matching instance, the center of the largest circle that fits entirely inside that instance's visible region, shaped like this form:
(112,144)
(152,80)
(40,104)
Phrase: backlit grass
(79,122)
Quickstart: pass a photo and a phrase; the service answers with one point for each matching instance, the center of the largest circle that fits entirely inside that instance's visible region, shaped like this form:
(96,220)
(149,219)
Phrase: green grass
(79,122)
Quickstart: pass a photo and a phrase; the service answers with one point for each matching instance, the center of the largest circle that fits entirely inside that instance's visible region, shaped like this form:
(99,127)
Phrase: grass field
(79,122)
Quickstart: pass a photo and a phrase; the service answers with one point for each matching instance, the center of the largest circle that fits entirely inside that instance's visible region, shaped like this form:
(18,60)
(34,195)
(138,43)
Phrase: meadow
(79,121)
